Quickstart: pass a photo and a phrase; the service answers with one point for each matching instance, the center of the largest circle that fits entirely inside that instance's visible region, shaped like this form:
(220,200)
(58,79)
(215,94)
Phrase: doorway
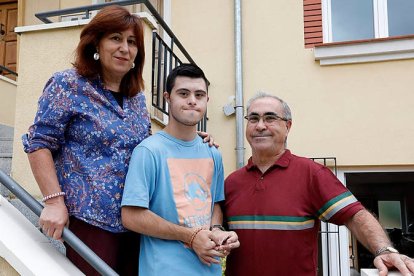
(390,197)
(8,38)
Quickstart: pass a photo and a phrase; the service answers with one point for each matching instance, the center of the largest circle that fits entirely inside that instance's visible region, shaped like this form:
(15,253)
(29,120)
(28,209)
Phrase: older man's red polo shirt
(277,215)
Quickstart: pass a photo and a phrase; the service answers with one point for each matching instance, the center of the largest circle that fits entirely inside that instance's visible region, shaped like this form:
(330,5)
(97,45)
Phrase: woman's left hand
(207,138)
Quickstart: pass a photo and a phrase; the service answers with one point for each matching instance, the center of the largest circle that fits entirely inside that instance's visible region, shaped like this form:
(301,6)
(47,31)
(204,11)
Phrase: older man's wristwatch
(217,226)
(386,249)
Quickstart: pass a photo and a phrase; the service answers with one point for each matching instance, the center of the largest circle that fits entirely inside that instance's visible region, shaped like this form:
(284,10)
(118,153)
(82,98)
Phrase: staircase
(24,225)
(6,150)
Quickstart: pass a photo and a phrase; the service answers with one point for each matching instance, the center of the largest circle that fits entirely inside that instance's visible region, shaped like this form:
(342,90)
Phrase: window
(361,30)
(352,20)
(348,20)
(400,17)
(389,213)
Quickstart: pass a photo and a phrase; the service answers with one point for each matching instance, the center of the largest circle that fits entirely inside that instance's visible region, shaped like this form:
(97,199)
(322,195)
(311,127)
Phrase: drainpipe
(239,85)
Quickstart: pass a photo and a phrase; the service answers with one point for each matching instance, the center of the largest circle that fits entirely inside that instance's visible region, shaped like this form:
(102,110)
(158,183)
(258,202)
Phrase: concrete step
(5,166)
(6,131)
(6,146)
(6,141)
(6,151)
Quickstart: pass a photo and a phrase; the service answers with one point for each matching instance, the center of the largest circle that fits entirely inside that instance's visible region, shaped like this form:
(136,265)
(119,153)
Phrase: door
(8,42)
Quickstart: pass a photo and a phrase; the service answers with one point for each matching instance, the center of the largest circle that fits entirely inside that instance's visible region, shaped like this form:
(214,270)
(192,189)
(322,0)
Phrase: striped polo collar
(283,161)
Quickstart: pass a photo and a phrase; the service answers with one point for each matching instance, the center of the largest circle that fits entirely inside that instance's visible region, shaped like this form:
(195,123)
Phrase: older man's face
(270,136)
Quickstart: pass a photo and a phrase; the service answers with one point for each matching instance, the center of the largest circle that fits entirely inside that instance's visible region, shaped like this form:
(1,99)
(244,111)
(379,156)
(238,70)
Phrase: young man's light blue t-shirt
(180,181)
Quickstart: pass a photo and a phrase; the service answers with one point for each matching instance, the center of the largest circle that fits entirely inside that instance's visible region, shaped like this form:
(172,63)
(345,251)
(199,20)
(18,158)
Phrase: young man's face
(187,101)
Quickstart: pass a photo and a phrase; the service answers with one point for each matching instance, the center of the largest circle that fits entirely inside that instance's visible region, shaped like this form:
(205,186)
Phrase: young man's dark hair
(185,70)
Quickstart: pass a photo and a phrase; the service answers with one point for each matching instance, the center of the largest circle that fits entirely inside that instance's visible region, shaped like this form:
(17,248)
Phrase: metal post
(239,85)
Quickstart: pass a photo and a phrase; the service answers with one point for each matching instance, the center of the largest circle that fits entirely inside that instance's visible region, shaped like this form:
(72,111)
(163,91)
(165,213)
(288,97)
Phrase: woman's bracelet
(46,198)
(193,235)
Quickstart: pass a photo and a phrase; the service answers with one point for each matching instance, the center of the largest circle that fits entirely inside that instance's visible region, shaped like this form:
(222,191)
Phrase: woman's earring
(96,56)
(133,66)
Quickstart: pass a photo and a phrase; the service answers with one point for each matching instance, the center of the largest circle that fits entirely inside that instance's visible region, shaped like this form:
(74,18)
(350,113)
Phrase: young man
(275,204)
(173,187)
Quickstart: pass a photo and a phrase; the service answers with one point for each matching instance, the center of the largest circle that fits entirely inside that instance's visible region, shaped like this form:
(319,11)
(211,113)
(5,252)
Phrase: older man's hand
(225,240)
(401,262)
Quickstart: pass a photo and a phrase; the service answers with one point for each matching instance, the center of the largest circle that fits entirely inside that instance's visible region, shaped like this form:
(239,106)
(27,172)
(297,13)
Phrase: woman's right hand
(54,218)
(54,215)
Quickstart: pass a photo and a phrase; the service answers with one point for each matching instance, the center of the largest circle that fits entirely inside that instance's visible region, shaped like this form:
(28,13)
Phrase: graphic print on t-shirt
(191,184)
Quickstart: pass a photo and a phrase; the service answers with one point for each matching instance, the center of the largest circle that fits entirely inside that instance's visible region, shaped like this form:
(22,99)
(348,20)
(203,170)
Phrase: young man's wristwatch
(386,249)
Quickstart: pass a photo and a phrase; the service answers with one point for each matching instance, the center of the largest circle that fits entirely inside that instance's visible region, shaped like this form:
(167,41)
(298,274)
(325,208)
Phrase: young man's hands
(214,244)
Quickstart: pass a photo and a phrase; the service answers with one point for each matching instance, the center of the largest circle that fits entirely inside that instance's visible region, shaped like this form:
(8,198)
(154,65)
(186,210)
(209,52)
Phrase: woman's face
(117,52)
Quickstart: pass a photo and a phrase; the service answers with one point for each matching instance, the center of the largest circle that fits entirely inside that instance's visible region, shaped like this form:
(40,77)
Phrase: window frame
(380,20)
(380,48)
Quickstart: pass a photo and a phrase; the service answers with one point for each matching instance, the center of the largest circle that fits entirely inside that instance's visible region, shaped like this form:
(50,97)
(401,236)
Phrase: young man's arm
(146,222)
(217,216)
(370,233)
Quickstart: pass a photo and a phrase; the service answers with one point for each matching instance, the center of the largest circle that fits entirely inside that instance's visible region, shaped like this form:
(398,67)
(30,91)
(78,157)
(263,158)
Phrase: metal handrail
(168,56)
(163,61)
(43,16)
(4,68)
(70,238)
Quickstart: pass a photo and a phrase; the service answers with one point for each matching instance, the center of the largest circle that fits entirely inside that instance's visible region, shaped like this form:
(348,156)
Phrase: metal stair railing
(44,17)
(70,238)
(328,231)
(163,61)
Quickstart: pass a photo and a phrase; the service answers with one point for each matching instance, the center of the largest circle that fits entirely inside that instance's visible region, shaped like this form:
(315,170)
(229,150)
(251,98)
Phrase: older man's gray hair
(286,109)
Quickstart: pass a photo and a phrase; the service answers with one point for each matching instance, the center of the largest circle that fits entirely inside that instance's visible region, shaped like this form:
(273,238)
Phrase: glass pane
(352,20)
(390,214)
(400,17)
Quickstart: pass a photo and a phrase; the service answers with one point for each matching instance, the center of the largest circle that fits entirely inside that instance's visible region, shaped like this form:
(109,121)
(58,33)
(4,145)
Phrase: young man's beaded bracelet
(193,235)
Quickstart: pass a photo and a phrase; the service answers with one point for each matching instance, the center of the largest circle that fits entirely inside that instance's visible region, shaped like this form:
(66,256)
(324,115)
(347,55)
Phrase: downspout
(239,85)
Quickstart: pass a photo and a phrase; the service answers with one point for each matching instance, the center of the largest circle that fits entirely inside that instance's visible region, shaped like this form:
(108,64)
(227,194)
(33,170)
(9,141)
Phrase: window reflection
(390,214)
(352,19)
(400,17)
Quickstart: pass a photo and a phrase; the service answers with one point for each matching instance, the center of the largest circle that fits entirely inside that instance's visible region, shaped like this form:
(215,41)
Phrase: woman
(89,120)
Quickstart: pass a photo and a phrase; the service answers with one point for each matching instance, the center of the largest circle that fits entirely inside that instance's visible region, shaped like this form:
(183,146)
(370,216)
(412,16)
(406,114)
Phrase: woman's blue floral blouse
(91,139)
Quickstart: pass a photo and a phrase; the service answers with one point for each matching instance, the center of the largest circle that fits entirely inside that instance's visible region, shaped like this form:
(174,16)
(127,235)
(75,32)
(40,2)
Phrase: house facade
(345,70)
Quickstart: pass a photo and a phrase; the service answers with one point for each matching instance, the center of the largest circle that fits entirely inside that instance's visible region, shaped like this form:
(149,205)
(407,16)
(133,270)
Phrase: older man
(275,204)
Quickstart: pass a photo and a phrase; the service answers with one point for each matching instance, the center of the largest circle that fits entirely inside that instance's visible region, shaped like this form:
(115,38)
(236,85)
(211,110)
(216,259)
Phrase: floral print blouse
(91,139)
